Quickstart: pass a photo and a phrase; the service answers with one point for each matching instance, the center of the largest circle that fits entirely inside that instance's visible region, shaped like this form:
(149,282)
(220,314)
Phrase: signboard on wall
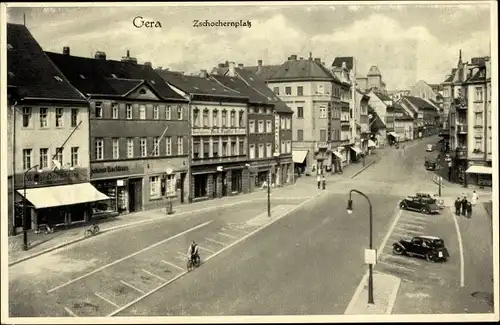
(218,131)
(105,170)
(276,133)
(52,177)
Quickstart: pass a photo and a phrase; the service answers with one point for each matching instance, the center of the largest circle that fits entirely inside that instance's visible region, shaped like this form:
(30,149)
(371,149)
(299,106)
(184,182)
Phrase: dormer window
(58,78)
(142,91)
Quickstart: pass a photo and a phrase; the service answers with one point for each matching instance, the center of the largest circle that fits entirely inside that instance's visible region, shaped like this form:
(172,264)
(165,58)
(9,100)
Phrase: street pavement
(306,259)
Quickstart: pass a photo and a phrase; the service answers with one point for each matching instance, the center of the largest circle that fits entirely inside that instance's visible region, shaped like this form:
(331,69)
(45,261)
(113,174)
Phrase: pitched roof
(349,61)
(374,71)
(451,76)
(377,123)
(302,69)
(264,71)
(198,86)
(110,77)
(420,102)
(31,71)
(382,96)
(480,75)
(236,84)
(399,109)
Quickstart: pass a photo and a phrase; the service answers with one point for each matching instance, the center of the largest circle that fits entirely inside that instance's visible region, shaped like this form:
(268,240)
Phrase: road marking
(399,234)
(154,275)
(417,217)
(411,226)
(393,296)
(413,222)
(131,286)
(395,266)
(226,235)
(235,229)
(129,256)
(402,259)
(106,300)
(215,254)
(214,241)
(460,247)
(415,232)
(180,258)
(69,311)
(381,247)
(206,249)
(172,265)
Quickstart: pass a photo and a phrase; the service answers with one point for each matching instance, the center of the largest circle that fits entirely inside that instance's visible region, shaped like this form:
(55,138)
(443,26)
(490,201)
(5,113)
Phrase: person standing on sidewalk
(323,181)
(474,198)
(318,179)
(469,209)
(458,203)
(464,206)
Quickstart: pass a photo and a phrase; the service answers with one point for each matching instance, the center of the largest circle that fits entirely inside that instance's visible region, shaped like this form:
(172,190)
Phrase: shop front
(356,152)
(285,172)
(300,161)
(480,175)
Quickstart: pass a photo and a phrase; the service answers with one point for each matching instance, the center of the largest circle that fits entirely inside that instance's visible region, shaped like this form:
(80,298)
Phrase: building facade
(403,123)
(139,132)
(383,106)
(373,80)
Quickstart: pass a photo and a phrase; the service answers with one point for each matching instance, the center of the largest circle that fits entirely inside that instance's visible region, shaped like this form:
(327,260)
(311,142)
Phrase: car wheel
(429,257)
(425,210)
(397,250)
(402,206)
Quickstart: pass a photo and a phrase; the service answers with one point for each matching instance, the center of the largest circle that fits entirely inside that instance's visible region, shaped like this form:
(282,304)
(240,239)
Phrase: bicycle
(193,264)
(48,229)
(92,231)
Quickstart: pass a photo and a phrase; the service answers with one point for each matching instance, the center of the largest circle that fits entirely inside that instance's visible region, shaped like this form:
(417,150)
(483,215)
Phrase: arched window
(233,118)
(241,119)
(205,117)
(196,117)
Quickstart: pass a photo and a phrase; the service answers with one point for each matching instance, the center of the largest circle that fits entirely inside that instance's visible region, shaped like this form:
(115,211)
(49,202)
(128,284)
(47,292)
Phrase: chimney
(240,65)
(317,60)
(259,63)
(293,57)
(465,71)
(231,72)
(66,50)
(99,55)
(148,64)
(203,74)
(128,53)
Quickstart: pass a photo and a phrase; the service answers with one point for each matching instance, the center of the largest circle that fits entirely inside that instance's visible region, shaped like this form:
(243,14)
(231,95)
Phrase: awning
(479,170)
(394,134)
(336,153)
(371,144)
(46,197)
(356,150)
(298,156)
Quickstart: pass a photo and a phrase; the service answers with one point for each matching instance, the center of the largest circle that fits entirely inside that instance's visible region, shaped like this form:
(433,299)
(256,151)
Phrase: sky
(408,42)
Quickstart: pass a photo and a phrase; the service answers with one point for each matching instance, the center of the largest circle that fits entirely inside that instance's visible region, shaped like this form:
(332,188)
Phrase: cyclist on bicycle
(193,252)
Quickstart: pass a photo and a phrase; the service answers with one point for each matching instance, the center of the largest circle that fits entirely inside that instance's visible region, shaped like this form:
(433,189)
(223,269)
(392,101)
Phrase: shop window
(200,185)
(171,184)
(154,187)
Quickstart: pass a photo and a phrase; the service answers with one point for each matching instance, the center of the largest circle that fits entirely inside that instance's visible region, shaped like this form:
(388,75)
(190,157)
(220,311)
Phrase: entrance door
(224,184)
(181,186)
(135,194)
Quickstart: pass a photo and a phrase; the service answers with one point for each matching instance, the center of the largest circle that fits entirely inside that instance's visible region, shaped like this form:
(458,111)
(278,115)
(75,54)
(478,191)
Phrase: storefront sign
(108,169)
(219,131)
(323,145)
(105,170)
(55,177)
(276,133)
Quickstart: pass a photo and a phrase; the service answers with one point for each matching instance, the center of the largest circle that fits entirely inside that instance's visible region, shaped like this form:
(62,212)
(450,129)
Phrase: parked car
(429,247)
(429,147)
(430,164)
(424,204)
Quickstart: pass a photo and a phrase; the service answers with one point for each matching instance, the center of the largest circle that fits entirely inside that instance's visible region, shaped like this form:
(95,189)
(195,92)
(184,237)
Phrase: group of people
(463,207)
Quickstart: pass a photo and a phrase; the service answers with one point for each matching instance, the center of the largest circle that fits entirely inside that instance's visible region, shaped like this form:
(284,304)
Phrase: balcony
(461,153)
(462,128)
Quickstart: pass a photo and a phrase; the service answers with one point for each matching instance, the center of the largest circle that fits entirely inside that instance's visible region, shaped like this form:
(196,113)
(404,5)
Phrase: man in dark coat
(469,209)
(458,203)
(464,206)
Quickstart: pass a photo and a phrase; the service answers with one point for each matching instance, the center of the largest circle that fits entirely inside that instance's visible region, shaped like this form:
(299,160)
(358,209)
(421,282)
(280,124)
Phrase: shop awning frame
(356,150)
(337,154)
(298,156)
(53,196)
(371,144)
(394,134)
(479,170)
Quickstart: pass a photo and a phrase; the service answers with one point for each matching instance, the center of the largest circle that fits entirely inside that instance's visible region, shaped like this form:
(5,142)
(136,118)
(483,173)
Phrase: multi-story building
(396,95)
(403,123)
(49,139)
(373,80)
(218,135)
(383,106)
(314,94)
(277,158)
(364,122)
(139,131)
(428,116)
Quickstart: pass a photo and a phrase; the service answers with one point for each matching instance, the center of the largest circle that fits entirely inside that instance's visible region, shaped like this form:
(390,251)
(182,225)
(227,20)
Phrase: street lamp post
(370,265)
(25,201)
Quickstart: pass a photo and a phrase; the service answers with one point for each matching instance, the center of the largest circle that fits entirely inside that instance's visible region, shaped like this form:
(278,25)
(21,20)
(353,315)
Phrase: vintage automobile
(429,148)
(421,202)
(429,247)
(430,164)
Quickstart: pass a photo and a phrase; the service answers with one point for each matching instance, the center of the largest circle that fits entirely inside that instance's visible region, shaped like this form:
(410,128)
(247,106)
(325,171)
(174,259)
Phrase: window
(142,112)
(261,126)
(252,151)
(300,91)
(322,112)
(288,123)
(143,147)
(276,90)
(215,148)
(288,90)
(283,123)
(269,150)
(251,126)
(170,184)
(74,156)
(300,135)
(44,158)
(261,150)
(26,116)
(269,126)
(128,111)
(156,146)
(206,148)
(478,119)
(196,148)
(168,146)
(479,94)
(233,118)
(130,147)
(27,158)
(180,145)
(478,144)
(168,112)
(241,119)
(300,112)
(215,118)
(283,147)
(179,112)
(59,155)
(289,147)
(114,110)
(233,147)
(99,149)
(322,135)
(224,148)
(156,112)
(242,150)
(205,117)
(43,117)
(154,187)
(321,89)
(98,109)
(224,118)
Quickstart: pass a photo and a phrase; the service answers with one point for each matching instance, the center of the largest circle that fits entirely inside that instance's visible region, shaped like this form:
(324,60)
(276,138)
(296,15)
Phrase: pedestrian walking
(464,206)
(318,179)
(469,209)
(323,181)
(474,198)
(458,204)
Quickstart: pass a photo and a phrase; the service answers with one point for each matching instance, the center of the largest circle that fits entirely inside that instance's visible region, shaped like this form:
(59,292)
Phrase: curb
(363,169)
(74,241)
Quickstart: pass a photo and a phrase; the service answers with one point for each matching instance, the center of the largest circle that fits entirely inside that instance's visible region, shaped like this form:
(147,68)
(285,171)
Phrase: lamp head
(349,206)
